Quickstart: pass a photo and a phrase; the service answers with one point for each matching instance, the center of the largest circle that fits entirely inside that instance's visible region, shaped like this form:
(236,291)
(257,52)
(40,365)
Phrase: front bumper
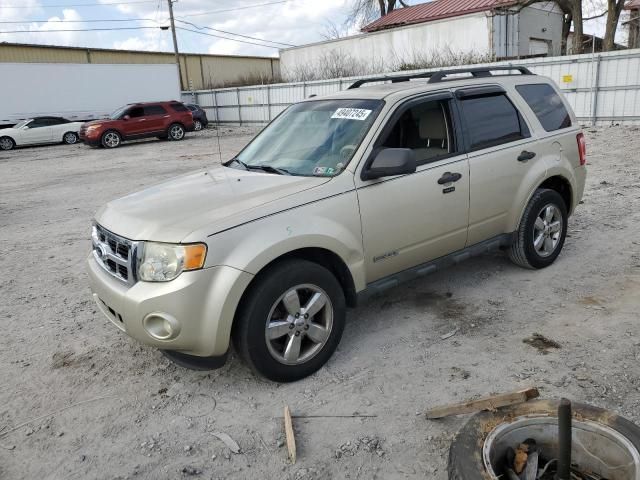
(93,139)
(203,302)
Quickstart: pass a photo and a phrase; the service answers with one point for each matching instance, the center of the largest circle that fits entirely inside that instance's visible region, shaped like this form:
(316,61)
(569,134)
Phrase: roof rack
(440,75)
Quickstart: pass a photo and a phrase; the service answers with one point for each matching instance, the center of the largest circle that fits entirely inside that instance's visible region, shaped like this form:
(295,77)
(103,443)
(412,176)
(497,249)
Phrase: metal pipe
(564,440)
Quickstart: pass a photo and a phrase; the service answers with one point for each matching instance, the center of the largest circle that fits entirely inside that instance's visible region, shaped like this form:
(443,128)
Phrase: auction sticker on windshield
(351,113)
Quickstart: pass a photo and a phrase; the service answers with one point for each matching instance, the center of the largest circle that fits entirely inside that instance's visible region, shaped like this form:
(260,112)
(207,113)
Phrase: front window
(119,113)
(316,138)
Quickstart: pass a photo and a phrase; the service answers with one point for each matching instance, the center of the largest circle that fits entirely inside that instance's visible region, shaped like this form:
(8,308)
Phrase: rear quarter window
(547,105)
(178,107)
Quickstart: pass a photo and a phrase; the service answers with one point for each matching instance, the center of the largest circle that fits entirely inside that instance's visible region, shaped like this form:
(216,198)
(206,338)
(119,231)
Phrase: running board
(386,283)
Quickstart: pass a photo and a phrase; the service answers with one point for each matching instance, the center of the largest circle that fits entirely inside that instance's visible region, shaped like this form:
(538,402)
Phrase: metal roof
(436,10)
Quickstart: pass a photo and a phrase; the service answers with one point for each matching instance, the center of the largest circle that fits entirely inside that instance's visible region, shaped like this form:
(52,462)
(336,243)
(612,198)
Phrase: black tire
(111,139)
(522,251)
(465,454)
(70,138)
(7,143)
(249,330)
(176,132)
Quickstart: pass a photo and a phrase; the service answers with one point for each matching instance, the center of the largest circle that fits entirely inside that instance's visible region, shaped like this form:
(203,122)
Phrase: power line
(78,30)
(224,38)
(237,8)
(82,21)
(236,34)
(80,4)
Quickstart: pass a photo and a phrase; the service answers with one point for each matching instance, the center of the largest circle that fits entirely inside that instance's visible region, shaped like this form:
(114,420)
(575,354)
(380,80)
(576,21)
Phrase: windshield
(315,138)
(118,113)
(22,123)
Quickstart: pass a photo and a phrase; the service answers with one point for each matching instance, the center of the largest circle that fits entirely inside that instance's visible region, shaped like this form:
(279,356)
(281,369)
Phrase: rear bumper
(201,304)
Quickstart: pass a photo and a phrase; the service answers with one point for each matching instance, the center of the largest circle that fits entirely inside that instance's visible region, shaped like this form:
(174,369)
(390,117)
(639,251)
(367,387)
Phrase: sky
(288,22)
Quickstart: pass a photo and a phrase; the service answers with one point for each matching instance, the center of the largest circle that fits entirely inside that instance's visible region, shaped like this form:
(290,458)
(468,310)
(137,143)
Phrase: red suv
(139,120)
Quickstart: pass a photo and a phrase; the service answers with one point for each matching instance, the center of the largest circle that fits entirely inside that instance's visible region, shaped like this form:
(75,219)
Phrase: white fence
(602,88)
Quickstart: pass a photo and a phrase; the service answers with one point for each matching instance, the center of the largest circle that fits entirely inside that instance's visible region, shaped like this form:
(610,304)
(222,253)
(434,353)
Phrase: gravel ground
(80,400)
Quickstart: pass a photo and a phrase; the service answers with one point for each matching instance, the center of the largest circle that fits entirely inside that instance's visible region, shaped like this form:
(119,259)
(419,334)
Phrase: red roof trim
(436,10)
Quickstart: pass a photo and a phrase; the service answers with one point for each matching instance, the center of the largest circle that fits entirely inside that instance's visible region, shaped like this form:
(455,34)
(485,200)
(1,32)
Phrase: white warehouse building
(485,28)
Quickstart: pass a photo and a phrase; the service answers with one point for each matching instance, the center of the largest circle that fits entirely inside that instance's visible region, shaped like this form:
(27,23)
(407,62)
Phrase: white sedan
(40,130)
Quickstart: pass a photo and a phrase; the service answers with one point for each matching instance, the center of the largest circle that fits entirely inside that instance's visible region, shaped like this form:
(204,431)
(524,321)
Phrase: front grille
(117,255)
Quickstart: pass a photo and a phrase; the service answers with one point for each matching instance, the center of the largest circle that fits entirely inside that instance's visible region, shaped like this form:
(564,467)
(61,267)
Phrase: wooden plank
(288,430)
(487,403)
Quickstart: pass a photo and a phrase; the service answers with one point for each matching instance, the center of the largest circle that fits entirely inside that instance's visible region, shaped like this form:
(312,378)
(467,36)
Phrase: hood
(168,212)
(97,122)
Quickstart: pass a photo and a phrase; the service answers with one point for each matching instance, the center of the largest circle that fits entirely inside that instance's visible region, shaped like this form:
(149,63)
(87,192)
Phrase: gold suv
(339,198)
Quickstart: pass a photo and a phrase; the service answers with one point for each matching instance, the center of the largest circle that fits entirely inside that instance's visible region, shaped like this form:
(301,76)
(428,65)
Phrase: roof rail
(440,75)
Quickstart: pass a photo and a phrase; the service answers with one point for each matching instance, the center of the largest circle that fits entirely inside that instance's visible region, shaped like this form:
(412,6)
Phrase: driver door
(412,219)
(38,131)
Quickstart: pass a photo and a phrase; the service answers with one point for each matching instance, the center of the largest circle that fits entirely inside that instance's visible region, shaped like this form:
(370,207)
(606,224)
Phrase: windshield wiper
(237,160)
(269,169)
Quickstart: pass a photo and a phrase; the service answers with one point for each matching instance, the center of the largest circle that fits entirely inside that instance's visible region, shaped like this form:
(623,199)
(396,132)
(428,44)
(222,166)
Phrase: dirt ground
(80,400)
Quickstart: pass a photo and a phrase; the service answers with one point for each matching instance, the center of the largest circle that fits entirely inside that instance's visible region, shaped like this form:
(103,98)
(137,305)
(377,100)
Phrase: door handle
(449,177)
(524,156)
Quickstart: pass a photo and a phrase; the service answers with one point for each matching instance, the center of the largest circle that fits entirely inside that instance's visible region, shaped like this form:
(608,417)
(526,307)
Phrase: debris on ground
(288,430)
(490,403)
(542,343)
(228,441)
(450,334)
(366,444)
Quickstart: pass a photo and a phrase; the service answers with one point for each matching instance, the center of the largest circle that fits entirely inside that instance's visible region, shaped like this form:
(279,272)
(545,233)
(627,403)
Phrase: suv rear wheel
(111,139)
(542,231)
(176,131)
(291,322)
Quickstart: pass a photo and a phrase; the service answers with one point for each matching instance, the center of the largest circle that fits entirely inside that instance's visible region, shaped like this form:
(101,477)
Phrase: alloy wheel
(299,324)
(197,125)
(70,138)
(176,132)
(112,140)
(547,230)
(6,144)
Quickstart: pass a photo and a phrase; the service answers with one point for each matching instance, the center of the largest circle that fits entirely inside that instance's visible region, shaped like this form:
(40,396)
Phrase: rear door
(411,219)
(154,116)
(501,151)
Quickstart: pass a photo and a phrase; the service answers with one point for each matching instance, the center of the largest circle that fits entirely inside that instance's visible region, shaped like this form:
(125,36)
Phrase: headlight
(93,127)
(161,262)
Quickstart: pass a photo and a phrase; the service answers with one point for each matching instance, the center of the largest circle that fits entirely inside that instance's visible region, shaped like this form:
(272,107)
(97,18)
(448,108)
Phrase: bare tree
(333,31)
(614,9)
(365,11)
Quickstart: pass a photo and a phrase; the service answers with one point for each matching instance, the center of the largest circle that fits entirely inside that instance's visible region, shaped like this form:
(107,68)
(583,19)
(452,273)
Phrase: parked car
(40,130)
(338,199)
(165,120)
(200,119)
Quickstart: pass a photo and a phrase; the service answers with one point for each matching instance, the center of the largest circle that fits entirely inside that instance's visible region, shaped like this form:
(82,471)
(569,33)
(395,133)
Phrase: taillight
(582,149)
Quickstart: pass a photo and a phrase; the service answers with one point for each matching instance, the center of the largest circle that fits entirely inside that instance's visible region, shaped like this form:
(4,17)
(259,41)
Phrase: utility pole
(175,42)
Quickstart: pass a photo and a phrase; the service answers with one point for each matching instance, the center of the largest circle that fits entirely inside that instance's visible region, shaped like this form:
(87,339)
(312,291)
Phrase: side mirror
(389,162)
(126,117)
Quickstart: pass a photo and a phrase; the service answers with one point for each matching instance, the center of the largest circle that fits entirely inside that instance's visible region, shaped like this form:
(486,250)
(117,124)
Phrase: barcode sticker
(351,113)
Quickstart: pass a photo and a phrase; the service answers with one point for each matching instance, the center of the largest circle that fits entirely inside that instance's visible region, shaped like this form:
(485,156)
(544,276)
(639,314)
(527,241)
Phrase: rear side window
(178,107)
(492,120)
(154,110)
(547,105)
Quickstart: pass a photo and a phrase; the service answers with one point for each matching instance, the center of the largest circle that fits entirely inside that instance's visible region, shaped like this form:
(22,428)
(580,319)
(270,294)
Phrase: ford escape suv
(339,198)
(165,120)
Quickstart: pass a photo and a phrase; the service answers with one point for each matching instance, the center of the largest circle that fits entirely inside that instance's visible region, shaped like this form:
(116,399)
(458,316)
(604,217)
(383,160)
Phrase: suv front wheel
(291,321)
(111,139)
(542,231)
(176,131)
